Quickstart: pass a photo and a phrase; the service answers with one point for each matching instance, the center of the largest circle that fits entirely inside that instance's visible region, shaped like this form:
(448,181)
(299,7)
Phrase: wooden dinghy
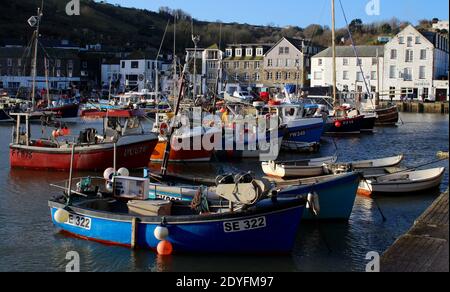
(300,168)
(324,166)
(403,182)
(378,163)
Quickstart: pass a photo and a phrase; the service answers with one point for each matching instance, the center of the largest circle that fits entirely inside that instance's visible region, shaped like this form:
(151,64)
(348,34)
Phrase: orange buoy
(164,248)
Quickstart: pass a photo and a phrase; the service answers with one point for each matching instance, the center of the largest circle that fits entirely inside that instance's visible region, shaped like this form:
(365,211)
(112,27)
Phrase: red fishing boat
(122,135)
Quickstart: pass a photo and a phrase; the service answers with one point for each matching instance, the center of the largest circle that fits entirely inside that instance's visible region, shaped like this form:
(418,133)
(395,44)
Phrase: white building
(354,74)
(440,25)
(414,64)
(110,73)
(138,72)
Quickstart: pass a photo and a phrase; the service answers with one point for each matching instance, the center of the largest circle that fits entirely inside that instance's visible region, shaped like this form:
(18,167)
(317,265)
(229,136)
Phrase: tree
(386,28)
(356,26)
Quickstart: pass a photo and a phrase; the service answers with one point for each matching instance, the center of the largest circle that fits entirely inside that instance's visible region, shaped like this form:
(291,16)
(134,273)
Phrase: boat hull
(347,126)
(368,124)
(180,156)
(66,111)
(387,116)
(369,188)
(195,234)
(305,130)
(132,152)
(336,197)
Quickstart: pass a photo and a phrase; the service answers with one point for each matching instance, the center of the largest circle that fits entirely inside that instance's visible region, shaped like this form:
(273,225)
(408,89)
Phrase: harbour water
(29,242)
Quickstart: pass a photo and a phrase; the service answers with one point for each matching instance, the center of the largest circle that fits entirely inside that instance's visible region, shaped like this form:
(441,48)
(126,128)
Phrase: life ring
(163,129)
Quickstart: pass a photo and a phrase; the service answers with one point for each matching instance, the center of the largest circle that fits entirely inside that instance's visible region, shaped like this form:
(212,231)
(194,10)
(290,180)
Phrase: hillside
(129,28)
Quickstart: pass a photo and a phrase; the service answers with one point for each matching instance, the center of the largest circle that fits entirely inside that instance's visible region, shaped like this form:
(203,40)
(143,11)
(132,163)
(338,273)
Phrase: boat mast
(333,46)
(377,94)
(178,99)
(195,40)
(36,44)
(46,81)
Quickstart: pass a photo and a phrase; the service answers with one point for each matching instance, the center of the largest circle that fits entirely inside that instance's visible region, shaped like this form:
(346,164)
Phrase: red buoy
(338,124)
(164,248)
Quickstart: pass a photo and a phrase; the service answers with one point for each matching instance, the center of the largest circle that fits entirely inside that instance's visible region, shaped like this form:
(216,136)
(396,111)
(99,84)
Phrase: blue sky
(297,12)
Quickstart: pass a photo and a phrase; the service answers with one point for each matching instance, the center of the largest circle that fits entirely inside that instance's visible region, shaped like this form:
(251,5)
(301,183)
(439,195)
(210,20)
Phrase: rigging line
(354,49)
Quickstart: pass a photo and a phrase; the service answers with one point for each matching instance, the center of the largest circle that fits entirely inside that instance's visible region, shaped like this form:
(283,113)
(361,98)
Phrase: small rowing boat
(300,168)
(324,166)
(402,182)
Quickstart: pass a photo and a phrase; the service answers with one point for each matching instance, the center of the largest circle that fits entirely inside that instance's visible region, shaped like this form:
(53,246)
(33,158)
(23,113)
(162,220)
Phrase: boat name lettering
(79,221)
(244,225)
(135,151)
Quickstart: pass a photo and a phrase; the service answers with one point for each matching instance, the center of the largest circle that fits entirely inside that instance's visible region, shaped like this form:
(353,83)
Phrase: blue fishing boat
(336,194)
(269,226)
(304,130)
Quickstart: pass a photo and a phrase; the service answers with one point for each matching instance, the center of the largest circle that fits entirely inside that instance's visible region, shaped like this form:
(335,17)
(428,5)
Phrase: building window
(269,76)
(236,65)
(358,62)
(409,56)
(259,52)
(278,76)
(236,76)
(238,52)
(229,52)
(246,65)
(418,41)
(58,63)
(58,73)
(407,74)
(318,75)
(123,65)
(269,63)
(246,77)
(401,40)
(70,64)
(410,41)
(422,72)
(359,77)
(392,72)
(374,61)
(345,75)
(320,62)
(257,65)
(256,76)
(249,52)
(373,75)
(281,51)
(297,76)
(426,92)
(135,65)
(345,62)
(423,54)
(70,73)
(286,50)
(392,92)
(288,75)
(393,54)
(226,65)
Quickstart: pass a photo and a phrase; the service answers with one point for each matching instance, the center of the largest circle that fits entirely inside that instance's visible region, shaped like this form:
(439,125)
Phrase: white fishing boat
(300,168)
(402,182)
(378,163)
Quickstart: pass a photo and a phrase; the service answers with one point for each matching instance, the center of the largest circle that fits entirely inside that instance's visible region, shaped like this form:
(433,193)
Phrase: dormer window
(401,40)
(238,52)
(249,52)
(229,52)
(259,52)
